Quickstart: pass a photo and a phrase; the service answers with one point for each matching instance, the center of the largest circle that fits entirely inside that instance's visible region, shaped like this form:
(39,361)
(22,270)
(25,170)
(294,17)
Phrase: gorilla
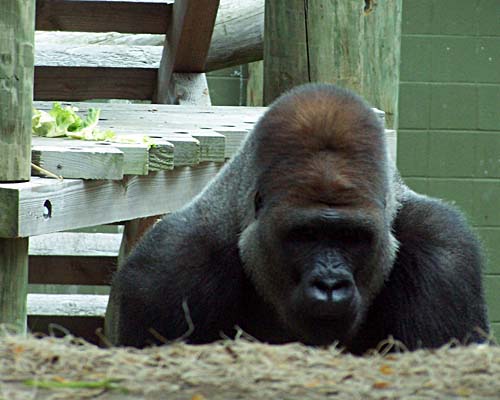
(308,234)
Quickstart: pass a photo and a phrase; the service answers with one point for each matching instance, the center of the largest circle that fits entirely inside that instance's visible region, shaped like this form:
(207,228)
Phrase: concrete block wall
(449,115)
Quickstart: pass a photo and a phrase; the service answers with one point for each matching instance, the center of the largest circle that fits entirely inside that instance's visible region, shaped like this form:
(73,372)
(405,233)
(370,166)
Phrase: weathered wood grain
(212,144)
(161,155)
(336,42)
(135,156)
(48,205)
(16,88)
(13,282)
(285,47)
(208,125)
(74,161)
(103,16)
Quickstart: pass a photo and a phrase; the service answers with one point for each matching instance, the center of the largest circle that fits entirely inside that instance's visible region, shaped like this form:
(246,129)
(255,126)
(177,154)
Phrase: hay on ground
(69,368)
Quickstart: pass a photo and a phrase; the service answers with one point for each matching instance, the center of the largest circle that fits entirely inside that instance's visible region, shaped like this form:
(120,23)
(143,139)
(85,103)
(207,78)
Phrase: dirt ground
(68,368)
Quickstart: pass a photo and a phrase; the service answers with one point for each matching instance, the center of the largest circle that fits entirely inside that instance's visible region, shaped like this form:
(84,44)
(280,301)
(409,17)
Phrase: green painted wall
(228,86)
(449,115)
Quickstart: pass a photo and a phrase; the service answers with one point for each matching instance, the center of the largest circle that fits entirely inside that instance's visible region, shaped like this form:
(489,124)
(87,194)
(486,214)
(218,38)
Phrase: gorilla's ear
(257,203)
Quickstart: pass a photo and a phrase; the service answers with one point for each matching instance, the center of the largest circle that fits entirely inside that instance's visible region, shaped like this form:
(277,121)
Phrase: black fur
(307,235)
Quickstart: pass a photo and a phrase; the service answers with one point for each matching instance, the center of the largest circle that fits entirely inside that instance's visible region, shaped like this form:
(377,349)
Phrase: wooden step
(74,305)
(128,16)
(73,258)
(95,72)
(58,315)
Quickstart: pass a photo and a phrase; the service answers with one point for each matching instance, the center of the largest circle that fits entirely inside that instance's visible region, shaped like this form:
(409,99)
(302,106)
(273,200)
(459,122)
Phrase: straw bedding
(69,368)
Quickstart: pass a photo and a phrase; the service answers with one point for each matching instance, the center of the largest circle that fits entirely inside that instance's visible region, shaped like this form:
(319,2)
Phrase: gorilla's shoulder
(433,221)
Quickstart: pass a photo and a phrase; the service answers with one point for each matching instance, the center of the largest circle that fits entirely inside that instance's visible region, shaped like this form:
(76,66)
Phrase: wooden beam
(188,41)
(138,16)
(87,83)
(48,205)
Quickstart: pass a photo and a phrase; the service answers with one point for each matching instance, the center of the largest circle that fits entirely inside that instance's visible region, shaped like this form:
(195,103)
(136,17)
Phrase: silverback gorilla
(307,234)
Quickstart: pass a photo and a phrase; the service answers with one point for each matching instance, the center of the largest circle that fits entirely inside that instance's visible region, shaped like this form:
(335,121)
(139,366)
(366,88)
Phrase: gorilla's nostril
(336,292)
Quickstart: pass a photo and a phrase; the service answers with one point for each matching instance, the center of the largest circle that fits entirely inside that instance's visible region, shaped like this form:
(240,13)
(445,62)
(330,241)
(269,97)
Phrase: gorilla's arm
(434,292)
(177,261)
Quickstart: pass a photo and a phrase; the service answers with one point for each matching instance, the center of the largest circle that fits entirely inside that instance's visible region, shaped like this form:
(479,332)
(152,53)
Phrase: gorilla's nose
(329,297)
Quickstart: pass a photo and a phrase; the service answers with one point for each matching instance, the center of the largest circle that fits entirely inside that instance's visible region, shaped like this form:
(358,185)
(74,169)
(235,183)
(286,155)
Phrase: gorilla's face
(319,245)
(319,266)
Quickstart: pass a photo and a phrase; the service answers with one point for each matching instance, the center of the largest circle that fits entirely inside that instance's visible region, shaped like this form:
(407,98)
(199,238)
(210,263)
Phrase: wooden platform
(122,182)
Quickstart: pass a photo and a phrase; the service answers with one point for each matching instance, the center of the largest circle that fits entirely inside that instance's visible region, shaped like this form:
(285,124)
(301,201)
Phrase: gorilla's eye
(257,202)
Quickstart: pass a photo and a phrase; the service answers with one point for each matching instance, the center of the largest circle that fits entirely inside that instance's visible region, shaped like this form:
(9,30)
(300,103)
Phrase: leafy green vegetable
(43,123)
(65,122)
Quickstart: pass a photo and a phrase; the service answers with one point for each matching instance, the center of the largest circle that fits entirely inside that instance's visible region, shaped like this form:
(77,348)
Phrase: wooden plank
(135,157)
(104,56)
(234,137)
(72,270)
(14,282)
(198,142)
(212,144)
(73,258)
(67,304)
(75,244)
(200,115)
(48,205)
(188,40)
(103,16)
(16,87)
(86,83)
(74,161)
(169,148)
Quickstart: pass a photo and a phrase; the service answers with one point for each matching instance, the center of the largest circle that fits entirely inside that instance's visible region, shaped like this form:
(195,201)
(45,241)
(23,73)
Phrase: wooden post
(17,23)
(17,30)
(354,44)
(187,43)
(13,282)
